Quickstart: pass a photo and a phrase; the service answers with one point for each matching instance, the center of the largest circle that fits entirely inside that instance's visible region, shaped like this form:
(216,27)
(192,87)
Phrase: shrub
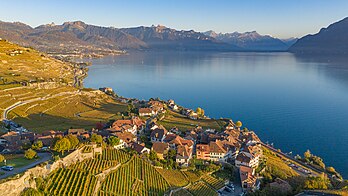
(30,154)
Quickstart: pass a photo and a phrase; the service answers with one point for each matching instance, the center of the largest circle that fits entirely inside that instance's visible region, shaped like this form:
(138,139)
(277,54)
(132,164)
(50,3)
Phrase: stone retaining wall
(16,186)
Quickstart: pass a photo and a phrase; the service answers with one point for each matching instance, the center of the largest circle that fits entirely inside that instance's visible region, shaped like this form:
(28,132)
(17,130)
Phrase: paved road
(43,157)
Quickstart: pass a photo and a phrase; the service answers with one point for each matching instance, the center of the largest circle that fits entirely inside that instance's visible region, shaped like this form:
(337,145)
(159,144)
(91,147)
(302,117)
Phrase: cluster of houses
(153,108)
(241,148)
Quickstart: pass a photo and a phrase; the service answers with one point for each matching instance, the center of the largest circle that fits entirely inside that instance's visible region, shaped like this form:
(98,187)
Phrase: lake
(297,103)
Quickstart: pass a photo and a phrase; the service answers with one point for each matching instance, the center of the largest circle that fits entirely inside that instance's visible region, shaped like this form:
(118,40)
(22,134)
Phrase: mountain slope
(250,41)
(330,40)
(161,37)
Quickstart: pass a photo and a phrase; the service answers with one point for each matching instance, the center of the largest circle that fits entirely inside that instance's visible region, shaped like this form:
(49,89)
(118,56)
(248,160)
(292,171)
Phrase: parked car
(7,168)
(228,189)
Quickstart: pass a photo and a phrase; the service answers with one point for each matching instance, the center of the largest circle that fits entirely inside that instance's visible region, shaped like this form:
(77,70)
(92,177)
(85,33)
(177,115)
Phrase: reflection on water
(296,102)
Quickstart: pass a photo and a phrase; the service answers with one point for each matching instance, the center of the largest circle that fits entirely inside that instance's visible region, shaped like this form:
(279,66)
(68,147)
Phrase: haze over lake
(298,103)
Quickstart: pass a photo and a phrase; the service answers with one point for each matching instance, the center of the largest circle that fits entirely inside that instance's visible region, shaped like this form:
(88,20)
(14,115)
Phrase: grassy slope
(183,123)
(30,65)
(78,109)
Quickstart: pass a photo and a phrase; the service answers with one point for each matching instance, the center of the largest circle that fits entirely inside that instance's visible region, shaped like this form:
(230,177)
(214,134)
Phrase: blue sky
(279,18)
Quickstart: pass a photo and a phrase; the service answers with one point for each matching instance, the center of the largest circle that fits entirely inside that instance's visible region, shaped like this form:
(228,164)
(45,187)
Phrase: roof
(159,133)
(181,141)
(10,133)
(217,147)
(76,131)
(160,147)
(241,157)
(145,110)
(203,148)
(183,152)
(246,174)
(125,136)
(137,147)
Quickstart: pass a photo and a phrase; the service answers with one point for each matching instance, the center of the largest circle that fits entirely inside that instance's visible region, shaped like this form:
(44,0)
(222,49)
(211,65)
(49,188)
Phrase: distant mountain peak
(250,40)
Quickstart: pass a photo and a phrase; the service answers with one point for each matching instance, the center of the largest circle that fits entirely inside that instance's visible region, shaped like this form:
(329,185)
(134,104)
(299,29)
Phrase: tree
(171,153)
(37,145)
(153,155)
(30,154)
(74,141)
(62,145)
(307,155)
(113,141)
(200,112)
(2,158)
(239,124)
(96,138)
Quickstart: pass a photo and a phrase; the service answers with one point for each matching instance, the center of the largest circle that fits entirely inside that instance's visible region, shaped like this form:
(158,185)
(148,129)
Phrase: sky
(278,18)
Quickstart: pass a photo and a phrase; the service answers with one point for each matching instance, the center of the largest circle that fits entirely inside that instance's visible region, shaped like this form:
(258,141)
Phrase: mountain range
(253,41)
(79,37)
(330,40)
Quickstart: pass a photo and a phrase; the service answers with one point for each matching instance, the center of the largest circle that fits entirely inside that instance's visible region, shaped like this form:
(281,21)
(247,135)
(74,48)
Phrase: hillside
(36,91)
(252,41)
(330,40)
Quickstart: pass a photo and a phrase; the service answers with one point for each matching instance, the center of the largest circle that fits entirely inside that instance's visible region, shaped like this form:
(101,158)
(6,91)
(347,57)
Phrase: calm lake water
(297,103)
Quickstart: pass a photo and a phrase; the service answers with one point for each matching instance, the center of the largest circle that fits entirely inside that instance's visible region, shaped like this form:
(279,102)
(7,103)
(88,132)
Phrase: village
(141,133)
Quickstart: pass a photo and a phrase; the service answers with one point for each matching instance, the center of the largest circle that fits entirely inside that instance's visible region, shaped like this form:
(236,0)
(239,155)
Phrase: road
(20,103)
(43,158)
(315,171)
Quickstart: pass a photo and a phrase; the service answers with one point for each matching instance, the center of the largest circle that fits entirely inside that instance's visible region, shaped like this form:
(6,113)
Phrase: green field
(173,119)
(17,160)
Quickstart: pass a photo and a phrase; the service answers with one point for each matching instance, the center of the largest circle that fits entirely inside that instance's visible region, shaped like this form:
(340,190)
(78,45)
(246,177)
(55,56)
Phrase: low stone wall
(16,186)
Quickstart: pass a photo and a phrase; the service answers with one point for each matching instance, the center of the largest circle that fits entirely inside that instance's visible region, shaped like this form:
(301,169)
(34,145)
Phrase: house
(183,155)
(172,105)
(146,112)
(218,151)
(179,141)
(157,106)
(47,140)
(247,178)
(76,132)
(203,151)
(125,125)
(161,149)
(249,156)
(127,137)
(140,148)
(158,134)
(247,160)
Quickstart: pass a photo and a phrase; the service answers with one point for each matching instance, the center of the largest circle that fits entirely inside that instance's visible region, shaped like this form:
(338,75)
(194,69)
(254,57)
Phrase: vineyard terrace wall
(16,186)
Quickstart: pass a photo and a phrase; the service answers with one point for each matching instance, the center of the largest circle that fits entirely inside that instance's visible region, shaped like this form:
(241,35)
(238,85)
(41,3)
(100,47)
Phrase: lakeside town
(232,147)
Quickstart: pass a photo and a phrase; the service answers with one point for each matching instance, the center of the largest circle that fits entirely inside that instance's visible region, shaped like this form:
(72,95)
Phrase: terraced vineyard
(135,177)
(216,183)
(182,192)
(193,176)
(70,182)
(94,166)
(200,189)
(111,154)
(174,177)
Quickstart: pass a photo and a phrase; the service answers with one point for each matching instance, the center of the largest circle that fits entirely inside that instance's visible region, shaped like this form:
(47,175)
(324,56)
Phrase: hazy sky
(279,18)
